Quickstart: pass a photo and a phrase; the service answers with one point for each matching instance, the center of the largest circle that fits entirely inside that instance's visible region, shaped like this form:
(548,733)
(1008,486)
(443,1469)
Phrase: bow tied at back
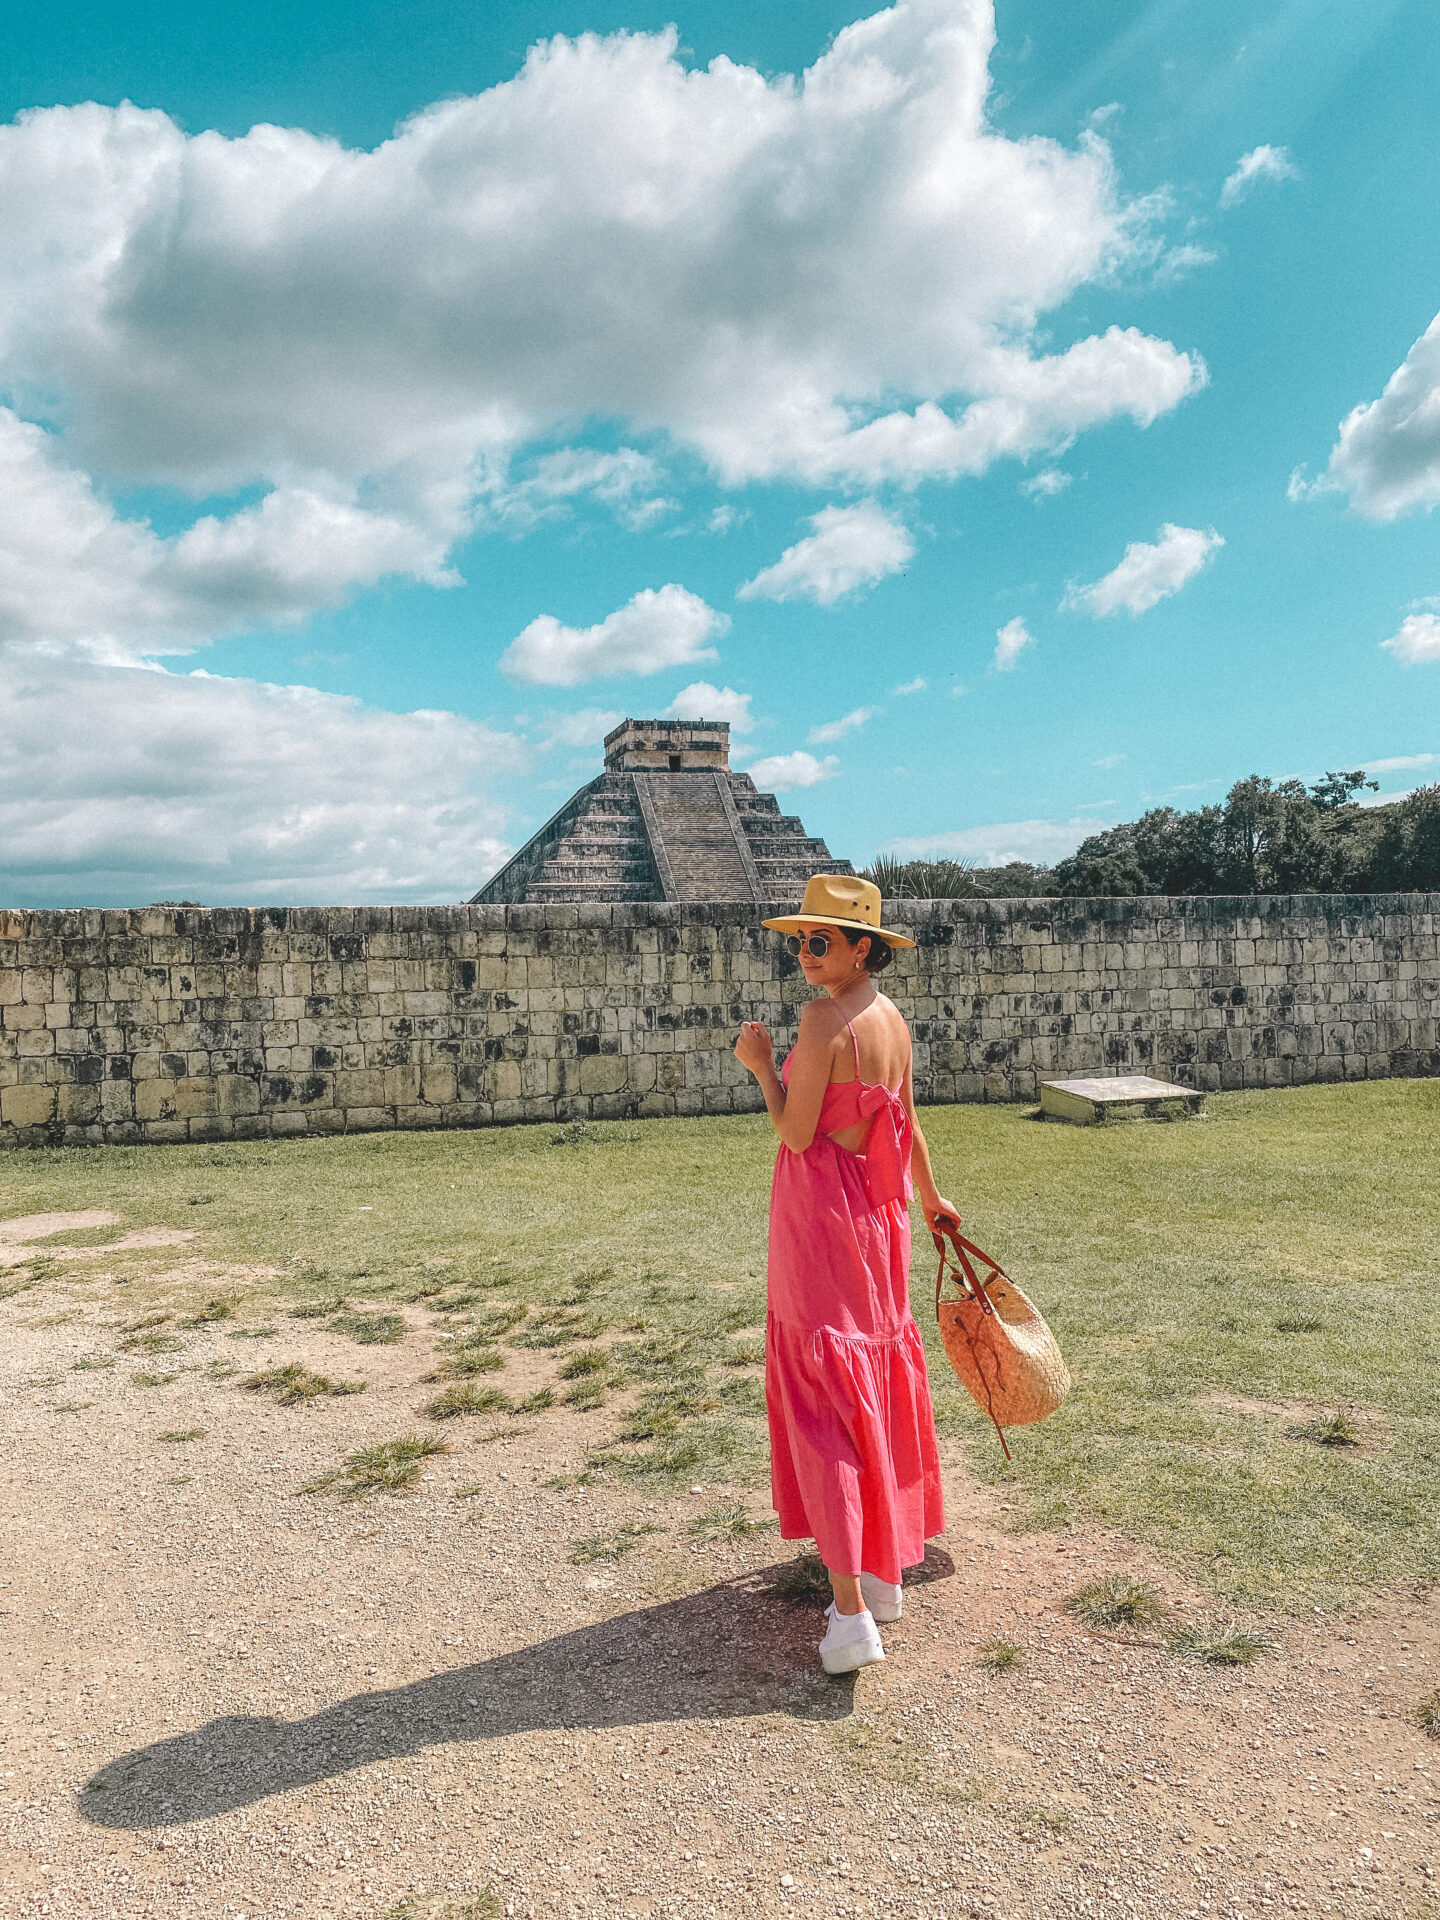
(887,1145)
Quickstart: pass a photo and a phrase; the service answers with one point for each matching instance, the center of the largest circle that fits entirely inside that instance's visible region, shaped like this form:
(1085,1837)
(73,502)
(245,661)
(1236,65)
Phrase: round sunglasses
(819,944)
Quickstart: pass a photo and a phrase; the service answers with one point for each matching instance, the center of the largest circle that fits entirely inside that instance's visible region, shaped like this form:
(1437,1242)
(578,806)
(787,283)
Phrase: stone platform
(1125,1096)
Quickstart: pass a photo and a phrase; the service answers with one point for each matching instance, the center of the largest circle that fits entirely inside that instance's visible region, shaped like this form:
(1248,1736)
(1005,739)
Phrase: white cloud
(833,730)
(125,784)
(1040,841)
(1109,760)
(1387,458)
(72,573)
(917,685)
(585,728)
(703,701)
(1045,484)
(1261,163)
(1010,642)
(626,481)
(782,771)
(1417,640)
(837,279)
(1403,763)
(1173,265)
(658,628)
(1147,573)
(851,547)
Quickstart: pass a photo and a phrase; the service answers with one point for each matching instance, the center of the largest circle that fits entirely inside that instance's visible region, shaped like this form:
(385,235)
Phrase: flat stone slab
(1124,1096)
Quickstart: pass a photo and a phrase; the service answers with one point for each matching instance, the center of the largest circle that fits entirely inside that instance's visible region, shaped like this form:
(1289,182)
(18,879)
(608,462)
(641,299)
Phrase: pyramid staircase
(667,820)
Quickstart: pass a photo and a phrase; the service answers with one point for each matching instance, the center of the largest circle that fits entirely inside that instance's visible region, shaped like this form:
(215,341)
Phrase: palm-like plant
(922,879)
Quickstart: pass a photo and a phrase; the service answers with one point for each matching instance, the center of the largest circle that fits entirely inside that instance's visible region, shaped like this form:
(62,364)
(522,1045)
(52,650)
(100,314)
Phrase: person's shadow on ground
(733,1650)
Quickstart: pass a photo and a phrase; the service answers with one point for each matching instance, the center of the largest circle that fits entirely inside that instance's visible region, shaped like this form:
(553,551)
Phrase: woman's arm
(794,1114)
(931,1203)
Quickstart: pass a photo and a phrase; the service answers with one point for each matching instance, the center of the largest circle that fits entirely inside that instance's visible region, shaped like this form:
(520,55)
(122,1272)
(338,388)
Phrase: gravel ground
(223,1698)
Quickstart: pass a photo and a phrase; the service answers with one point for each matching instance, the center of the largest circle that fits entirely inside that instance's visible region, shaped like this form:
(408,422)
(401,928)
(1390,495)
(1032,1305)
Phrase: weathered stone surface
(1086,1101)
(666,821)
(375,1018)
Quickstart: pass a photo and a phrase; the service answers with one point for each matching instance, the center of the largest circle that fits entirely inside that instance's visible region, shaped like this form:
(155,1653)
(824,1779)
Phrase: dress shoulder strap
(855,1044)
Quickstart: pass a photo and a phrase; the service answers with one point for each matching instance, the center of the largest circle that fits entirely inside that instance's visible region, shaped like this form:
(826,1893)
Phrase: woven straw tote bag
(995,1338)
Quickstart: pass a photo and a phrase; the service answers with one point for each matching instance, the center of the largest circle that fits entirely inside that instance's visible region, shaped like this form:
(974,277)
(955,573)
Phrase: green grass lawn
(1282,1251)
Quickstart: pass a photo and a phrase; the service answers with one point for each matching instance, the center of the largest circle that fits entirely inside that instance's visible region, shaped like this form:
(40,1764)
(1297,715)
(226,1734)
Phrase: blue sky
(361,471)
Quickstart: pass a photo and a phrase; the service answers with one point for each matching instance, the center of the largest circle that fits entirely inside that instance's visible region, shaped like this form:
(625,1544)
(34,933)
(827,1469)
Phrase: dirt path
(301,1706)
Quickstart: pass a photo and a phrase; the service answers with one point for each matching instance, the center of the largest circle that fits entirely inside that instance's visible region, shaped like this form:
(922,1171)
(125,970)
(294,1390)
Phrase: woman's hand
(940,1209)
(754,1049)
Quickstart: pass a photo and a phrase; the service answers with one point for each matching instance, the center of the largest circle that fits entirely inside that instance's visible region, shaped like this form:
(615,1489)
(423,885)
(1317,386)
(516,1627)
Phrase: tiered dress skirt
(854,1461)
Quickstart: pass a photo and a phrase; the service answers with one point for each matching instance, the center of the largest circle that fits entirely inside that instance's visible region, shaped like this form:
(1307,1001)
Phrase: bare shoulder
(821,1019)
(894,1019)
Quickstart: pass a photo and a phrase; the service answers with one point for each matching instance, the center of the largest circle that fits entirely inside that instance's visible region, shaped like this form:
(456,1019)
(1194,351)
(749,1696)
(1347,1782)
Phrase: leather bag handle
(963,1265)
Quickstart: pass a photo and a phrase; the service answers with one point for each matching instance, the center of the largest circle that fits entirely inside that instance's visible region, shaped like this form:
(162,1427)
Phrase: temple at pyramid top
(666,820)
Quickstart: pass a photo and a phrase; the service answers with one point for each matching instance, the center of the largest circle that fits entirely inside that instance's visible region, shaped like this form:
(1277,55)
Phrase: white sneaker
(886,1603)
(851,1640)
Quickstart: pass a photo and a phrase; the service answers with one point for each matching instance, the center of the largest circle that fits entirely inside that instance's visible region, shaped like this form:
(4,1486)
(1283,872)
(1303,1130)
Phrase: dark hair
(880,954)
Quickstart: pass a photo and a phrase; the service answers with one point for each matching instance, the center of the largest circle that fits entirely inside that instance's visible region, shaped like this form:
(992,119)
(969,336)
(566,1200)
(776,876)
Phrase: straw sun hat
(840,900)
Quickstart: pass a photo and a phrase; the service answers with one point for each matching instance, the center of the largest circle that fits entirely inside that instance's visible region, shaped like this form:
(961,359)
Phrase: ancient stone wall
(184,1024)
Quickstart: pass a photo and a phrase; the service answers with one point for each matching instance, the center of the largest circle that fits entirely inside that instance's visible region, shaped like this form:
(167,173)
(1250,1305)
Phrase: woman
(854,1464)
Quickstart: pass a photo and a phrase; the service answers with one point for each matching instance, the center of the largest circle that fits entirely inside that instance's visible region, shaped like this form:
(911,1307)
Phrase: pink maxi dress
(854,1463)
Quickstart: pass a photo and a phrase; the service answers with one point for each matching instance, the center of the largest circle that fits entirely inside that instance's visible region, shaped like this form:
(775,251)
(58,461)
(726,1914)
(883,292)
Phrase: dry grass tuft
(999,1656)
(586,1396)
(1118,1602)
(1428,1714)
(464,1360)
(803,1581)
(293,1383)
(319,1309)
(152,1342)
(467,1396)
(589,1361)
(177,1436)
(1219,1647)
(730,1522)
(370,1329)
(611,1546)
(217,1309)
(392,1466)
(1051,1822)
(484,1905)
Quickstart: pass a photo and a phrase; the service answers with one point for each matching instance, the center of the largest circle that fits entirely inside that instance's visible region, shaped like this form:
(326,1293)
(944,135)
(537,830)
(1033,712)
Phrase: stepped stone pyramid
(666,820)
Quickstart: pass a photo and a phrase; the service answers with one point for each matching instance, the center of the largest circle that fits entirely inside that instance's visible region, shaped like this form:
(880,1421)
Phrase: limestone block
(505,1081)
(438,1084)
(603,1073)
(363,1088)
(236,1093)
(37,985)
(117,1101)
(27,1106)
